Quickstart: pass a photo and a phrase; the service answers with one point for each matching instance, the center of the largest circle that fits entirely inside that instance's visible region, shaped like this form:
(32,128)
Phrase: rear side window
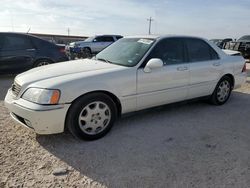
(108,39)
(39,43)
(16,43)
(104,39)
(1,41)
(199,50)
(170,51)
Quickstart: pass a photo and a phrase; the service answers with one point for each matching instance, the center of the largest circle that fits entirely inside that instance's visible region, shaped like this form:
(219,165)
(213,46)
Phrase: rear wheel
(92,116)
(42,62)
(222,91)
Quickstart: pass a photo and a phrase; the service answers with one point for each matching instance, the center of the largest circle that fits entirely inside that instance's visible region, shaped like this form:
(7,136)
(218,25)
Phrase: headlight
(42,96)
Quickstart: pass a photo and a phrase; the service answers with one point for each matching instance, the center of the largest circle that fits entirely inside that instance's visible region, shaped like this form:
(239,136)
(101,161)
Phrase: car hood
(245,41)
(83,42)
(62,69)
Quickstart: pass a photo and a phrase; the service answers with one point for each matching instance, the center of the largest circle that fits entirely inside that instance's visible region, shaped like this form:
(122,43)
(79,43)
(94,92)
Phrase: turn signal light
(55,97)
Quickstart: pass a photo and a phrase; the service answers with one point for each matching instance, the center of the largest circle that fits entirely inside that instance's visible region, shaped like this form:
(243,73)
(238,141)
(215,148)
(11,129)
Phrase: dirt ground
(192,144)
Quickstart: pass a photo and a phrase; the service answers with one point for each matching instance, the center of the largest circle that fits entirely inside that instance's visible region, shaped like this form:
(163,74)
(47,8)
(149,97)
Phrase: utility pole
(28,30)
(149,28)
(68,31)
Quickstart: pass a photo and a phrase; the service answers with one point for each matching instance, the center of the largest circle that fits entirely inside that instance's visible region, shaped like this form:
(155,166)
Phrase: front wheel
(222,91)
(92,116)
(86,53)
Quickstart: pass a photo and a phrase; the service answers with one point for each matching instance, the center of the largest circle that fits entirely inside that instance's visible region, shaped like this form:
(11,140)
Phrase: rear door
(16,53)
(205,67)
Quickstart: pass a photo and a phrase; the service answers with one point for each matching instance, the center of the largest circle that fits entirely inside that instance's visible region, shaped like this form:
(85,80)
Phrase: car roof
(17,33)
(158,37)
(23,34)
(109,35)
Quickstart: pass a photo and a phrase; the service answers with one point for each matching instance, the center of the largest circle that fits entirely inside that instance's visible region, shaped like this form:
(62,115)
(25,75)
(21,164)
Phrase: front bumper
(43,119)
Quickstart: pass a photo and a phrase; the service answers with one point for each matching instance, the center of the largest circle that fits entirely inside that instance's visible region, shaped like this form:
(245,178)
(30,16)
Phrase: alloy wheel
(94,117)
(223,91)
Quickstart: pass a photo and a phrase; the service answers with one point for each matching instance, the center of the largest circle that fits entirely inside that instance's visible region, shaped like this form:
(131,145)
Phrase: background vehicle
(90,46)
(221,42)
(73,49)
(232,52)
(134,73)
(20,52)
(242,45)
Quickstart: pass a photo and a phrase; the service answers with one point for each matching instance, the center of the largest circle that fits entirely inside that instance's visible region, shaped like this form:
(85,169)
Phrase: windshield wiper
(105,60)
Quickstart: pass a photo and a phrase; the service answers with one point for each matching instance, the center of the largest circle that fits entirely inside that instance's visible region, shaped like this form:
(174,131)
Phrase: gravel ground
(183,145)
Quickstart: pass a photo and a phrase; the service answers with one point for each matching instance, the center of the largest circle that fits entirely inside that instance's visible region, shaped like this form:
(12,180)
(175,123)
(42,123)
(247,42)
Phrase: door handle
(32,49)
(216,64)
(182,68)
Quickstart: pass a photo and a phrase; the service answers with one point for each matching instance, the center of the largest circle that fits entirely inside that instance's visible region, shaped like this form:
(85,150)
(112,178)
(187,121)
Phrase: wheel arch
(87,47)
(111,95)
(231,78)
(41,59)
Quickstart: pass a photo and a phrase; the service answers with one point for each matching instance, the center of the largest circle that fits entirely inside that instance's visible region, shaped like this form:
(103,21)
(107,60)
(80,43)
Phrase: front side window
(199,50)
(126,52)
(170,51)
(99,39)
(16,43)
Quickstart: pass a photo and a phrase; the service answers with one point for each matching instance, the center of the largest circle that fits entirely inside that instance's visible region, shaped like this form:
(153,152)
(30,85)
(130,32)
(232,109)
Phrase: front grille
(233,46)
(243,45)
(16,88)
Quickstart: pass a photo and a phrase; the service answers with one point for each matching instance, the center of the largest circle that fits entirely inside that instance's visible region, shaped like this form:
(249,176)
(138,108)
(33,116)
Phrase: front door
(101,42)
(166,84)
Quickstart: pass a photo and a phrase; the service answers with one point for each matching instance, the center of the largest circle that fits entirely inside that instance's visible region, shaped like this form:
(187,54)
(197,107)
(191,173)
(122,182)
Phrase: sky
(204,18)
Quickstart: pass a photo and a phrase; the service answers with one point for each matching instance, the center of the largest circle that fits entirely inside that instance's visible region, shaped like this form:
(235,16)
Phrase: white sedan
(135,73)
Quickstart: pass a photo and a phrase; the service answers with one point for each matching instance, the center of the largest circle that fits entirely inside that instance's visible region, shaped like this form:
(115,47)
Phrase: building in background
(59,39)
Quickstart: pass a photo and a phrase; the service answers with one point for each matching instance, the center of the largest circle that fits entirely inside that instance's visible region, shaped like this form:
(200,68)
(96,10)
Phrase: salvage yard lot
(191,144)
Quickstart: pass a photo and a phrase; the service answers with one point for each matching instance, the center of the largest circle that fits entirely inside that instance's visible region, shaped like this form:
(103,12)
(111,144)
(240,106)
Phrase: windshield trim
(89,39)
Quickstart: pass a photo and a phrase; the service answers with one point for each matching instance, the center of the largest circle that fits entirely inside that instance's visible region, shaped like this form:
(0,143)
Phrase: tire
(72,56)
(222,91)
(86,53)
(42,62)
(91,116)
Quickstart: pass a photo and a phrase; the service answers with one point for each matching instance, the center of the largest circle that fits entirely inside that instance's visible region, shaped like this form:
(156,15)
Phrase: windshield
(126,52)
(246,37)
(90,39)
(215,40)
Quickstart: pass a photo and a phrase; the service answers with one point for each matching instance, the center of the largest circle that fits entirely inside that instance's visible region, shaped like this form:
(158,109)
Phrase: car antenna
(28,31)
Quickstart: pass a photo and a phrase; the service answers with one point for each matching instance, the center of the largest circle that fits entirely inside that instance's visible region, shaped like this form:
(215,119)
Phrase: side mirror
(153,64)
